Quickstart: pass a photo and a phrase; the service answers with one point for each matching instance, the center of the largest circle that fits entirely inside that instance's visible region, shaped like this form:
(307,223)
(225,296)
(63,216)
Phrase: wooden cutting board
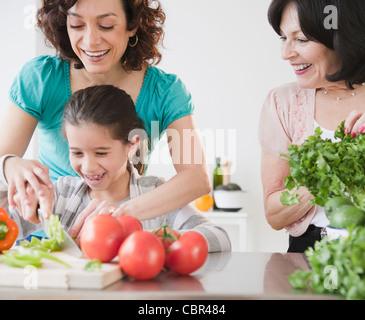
(55,275)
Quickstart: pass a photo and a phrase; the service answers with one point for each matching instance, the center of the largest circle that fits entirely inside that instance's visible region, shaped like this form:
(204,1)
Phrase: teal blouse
(42,89)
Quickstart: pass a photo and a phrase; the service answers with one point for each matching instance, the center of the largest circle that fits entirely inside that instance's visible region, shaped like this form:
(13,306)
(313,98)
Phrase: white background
(229,58)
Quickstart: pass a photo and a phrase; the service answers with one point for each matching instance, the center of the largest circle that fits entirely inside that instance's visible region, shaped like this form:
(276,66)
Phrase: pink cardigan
(287,117)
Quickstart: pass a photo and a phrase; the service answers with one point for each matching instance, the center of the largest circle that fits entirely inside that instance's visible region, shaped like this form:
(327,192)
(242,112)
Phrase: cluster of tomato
(142,254)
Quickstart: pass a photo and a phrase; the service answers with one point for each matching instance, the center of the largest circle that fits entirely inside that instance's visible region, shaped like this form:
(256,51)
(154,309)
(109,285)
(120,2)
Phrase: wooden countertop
(227,275)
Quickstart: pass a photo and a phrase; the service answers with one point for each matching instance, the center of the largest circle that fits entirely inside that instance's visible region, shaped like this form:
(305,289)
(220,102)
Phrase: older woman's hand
(355,122)
(29,181)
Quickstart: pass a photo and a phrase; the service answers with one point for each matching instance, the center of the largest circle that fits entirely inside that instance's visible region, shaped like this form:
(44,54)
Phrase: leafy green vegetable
(55,229)
(45,244)
(331,170)
(289,199)
(22,257)
(93,265)
(346,216)
(337,267)
(327,168)
(50,244)
(31,252)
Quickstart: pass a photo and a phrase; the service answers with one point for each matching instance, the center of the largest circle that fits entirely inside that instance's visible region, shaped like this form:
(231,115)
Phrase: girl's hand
(29,179)
(95,207)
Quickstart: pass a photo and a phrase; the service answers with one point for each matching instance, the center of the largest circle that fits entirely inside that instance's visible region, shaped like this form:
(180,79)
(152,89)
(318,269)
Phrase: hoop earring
(135,43)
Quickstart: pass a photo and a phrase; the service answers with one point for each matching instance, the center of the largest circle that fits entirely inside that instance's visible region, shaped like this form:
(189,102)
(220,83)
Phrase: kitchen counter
(227,275)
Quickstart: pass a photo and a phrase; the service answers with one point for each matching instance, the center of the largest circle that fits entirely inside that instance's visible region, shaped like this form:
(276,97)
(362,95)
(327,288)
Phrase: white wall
(18,42)
(18,46)
(229,58)
(227,55)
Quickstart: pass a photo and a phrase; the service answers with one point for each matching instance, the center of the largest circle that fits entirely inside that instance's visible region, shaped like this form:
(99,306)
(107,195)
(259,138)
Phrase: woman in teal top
(42,89)
(98,42)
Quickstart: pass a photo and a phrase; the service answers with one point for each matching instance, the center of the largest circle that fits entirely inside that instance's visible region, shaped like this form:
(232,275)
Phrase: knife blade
(68,246)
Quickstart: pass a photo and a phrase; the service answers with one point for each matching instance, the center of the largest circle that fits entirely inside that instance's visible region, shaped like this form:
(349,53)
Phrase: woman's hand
(355,123)
(29,209)
(29,180)
(95,207)
(191,181)
(274,170)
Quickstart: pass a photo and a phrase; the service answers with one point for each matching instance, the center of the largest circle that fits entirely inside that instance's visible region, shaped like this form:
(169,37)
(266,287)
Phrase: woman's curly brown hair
(144,15)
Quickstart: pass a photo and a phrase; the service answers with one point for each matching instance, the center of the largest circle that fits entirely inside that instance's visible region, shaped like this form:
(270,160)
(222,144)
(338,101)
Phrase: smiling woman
(113,42)
(330,72)
(98,41)
(139,17)
(311,60)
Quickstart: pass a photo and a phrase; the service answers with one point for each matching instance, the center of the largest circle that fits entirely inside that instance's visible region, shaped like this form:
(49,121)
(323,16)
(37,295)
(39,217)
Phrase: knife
(68,246)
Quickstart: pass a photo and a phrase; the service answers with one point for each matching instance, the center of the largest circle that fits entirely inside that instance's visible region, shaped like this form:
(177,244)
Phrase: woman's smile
(302,68)
(95,56)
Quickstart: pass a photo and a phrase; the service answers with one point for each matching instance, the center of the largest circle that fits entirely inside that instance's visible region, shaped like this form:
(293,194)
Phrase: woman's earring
(135,42)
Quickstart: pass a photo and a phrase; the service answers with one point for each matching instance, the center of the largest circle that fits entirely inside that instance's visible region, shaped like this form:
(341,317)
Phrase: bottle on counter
(217,176)
(226,169)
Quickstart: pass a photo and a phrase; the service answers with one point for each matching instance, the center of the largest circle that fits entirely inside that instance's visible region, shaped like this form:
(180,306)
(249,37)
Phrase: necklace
(353,93)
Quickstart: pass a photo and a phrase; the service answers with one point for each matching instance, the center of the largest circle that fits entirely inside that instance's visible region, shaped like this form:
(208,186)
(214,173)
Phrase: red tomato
(142,255)
(167,236)
(130,224)
(101,238)
(188,253)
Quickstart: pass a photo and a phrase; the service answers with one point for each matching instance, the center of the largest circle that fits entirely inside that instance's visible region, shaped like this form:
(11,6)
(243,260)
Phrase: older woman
(98,42)
(329,65)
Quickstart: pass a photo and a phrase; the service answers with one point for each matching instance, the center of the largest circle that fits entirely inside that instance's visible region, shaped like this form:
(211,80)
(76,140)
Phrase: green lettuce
(327,169)
(337,267)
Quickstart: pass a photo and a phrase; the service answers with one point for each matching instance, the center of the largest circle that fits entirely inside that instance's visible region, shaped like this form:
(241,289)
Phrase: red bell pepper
(8,230)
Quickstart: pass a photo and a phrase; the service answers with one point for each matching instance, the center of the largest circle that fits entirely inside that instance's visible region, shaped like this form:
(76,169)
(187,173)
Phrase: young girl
(114,42)
(104,134)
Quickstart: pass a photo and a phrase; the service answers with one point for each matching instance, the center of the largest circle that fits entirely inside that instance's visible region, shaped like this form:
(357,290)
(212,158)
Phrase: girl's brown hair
(146,16)
(109,106)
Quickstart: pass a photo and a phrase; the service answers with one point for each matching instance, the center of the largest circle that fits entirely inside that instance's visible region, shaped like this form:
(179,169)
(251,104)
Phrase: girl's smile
(94,180)
(99,159)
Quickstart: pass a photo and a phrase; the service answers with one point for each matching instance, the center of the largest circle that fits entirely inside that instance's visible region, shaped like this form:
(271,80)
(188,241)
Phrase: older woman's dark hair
(347,40)
(146,15)
(111,107)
